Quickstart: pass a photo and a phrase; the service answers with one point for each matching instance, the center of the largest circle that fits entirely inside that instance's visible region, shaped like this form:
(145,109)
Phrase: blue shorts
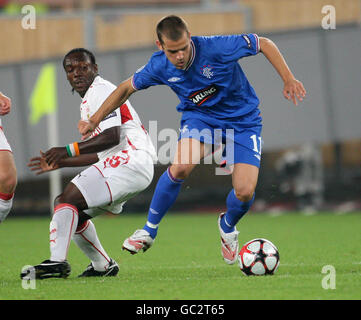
(242,144)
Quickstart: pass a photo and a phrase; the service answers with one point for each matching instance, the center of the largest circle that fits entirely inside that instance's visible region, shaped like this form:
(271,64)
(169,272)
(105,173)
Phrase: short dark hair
(82,50)
(172,27)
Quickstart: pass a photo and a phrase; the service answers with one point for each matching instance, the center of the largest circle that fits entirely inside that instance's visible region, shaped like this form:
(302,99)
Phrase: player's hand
(5,104)
(39,164)
(294,90)
(54,155)
(86,128)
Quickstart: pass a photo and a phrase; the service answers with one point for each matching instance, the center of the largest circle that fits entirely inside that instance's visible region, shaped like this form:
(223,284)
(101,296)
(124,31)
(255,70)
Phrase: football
(258,257)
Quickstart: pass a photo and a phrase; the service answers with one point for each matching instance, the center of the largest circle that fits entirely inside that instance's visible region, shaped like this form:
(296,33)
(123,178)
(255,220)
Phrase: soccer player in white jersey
(8,175)
(121,158)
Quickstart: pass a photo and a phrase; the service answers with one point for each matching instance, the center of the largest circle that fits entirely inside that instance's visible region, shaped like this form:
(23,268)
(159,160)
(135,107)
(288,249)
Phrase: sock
(62,228)
(236,209)
(6,203)
(87,240)
(165,194)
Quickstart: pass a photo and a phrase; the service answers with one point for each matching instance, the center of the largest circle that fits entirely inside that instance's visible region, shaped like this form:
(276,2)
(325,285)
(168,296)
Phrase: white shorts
(4,144)
(109,183)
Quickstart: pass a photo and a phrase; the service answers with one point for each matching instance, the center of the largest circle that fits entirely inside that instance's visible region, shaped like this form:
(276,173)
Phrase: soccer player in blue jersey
(214,94)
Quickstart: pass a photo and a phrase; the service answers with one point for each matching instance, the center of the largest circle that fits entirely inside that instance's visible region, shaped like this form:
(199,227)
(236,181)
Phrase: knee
(8,182)
(181,171)
(244,193)
(63,198)
(57,200)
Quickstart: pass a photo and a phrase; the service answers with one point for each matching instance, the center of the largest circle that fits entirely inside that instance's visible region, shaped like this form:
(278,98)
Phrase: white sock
(62,228)
(6,203)
(87,240)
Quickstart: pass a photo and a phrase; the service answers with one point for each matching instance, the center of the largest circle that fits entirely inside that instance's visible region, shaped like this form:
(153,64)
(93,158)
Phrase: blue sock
(165,194)
(236,209)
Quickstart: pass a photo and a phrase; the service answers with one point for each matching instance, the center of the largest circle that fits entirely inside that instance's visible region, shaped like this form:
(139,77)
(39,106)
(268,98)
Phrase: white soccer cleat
(229,243)
(140,239)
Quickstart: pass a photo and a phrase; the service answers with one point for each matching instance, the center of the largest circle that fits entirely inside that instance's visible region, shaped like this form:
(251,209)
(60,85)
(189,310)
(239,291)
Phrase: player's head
(174,39)
(80,68)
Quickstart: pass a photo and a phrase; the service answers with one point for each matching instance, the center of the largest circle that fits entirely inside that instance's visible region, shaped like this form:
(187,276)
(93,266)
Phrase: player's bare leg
(188,154)
(239,200)
(244,181)
(8,181)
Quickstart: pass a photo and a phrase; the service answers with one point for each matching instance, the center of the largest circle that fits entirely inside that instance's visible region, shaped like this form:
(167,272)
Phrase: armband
(73,149)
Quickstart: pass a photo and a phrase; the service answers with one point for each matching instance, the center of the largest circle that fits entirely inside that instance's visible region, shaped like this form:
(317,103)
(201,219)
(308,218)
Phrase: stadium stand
(277,15)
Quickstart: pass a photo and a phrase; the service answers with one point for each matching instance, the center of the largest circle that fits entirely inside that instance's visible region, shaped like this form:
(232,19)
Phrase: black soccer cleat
(111,271)
(47,269)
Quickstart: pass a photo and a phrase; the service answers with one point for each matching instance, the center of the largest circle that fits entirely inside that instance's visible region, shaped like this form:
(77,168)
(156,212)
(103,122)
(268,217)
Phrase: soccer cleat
(47,269)
(229,243)
(140,239)
(111,271)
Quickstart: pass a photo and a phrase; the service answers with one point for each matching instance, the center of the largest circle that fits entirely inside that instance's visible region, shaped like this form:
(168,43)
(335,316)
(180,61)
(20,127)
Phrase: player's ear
(159,45)
(95,66)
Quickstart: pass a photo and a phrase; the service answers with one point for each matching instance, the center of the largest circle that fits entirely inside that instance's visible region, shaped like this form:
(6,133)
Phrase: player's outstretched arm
(39,165)
(5,104)
(103,141)
(115,99)
(293,89)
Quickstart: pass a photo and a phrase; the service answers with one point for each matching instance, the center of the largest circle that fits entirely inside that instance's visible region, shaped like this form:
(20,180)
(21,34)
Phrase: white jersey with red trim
(133,135)
(4,144)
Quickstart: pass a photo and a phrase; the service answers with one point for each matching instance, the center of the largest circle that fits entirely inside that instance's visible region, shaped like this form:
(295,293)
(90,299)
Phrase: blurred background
(311,156)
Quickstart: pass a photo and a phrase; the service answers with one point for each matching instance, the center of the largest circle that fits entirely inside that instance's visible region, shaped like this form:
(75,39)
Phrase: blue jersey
(213,85)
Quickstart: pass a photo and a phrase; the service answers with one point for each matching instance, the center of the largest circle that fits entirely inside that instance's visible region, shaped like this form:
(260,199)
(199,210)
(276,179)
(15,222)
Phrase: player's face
(80,72)
(178,52)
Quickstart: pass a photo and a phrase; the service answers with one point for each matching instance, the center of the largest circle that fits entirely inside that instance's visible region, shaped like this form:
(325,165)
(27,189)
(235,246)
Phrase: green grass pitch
(185,261)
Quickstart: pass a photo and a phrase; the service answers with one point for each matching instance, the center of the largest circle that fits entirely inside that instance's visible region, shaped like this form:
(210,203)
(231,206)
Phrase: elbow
(113,137)
(264,43)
